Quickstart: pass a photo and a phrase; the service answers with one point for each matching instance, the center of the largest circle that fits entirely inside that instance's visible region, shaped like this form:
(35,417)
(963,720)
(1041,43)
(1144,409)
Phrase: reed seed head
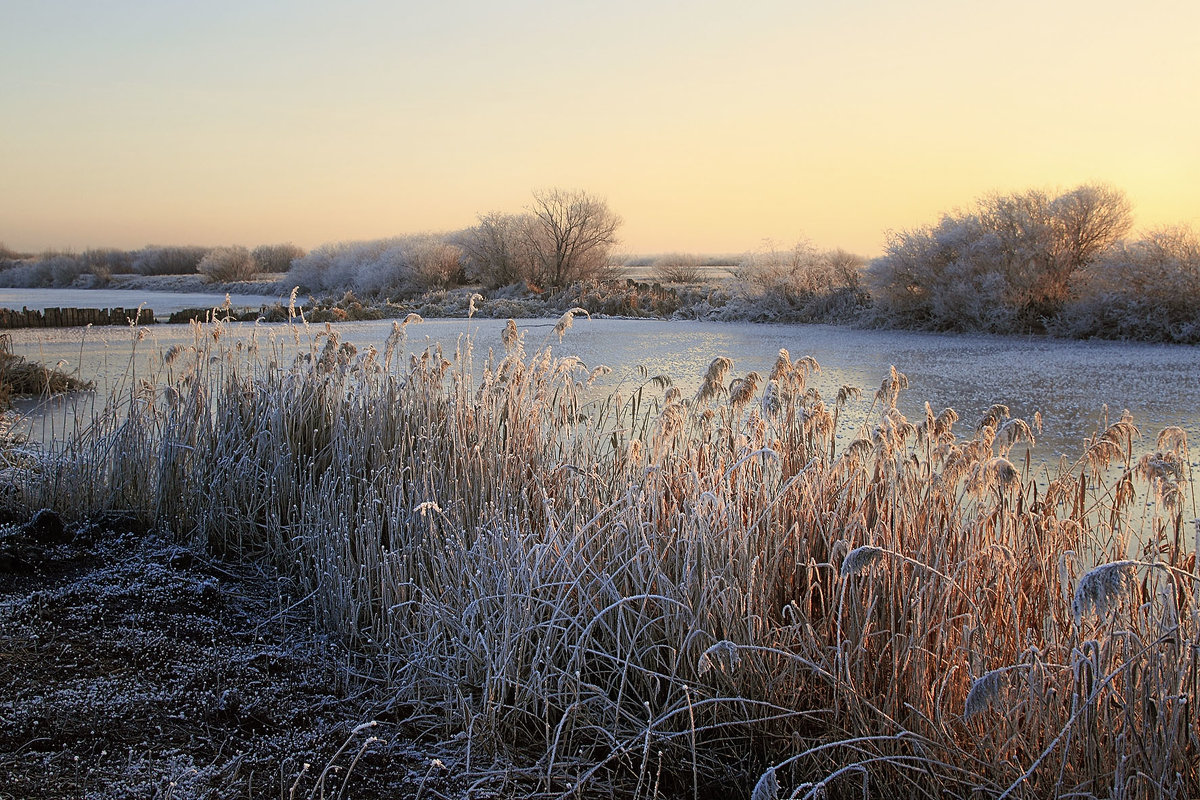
(743,389)
(1173,439)
(984,691)
(1101,588)
(567,321)
(509,336)
(993,417)
(714,379)
(859,559)
(783,365)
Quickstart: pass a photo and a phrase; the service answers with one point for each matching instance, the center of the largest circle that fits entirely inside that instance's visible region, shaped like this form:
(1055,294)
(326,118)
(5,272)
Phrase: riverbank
(710,298)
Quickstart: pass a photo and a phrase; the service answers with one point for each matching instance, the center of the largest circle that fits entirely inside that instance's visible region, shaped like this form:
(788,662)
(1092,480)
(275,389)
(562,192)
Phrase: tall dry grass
(652,593)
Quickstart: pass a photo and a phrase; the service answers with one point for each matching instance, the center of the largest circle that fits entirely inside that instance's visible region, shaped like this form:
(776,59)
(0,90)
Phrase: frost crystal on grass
(723,655)
(767,787)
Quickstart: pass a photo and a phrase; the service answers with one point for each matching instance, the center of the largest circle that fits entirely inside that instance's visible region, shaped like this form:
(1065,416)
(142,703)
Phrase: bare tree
(564,236)
(570,236)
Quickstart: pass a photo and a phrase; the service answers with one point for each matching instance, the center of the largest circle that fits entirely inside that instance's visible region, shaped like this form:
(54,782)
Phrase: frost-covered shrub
(228,264)
(106,262)
(153,260)
(678,268)
(333,265)
(276,257)
(61,269)
(25,274)
(50,269)
(1148,289)
(496,252)
(798,285)
(434,263)
(947,277)
(400,266)
(1006,266)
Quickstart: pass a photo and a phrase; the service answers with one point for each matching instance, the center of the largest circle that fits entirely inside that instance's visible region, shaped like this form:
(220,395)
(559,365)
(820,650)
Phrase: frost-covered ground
(135,668)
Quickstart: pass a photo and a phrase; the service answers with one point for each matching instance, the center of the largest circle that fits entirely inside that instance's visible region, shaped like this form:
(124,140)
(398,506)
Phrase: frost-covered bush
(678,268)
(1006,266)
(496,251)
(60,269)
(400,266)
(228,264)
(175,260)
(798,285)
(434,263)
(276,257)
(1148,289)
(63,269)
(947,277)
(24,274)
(50,269)
(106,262)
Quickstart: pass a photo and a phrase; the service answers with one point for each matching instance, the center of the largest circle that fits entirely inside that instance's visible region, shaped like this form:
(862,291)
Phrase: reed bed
(644,593)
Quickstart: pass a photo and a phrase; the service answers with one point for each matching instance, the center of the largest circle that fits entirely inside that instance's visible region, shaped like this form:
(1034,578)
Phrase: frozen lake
(162,303)
(1068,382)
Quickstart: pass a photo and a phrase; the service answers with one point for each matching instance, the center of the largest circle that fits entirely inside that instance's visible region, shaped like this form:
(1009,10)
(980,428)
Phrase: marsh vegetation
(659,591)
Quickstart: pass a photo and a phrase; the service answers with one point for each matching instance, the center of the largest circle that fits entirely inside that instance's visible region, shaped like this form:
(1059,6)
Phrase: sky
(709,127)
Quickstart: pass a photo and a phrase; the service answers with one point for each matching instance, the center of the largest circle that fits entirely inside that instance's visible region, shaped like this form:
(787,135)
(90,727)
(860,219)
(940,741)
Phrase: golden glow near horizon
(707,128)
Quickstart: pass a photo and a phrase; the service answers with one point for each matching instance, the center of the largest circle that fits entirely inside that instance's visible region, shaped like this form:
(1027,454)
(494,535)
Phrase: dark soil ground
(133,667)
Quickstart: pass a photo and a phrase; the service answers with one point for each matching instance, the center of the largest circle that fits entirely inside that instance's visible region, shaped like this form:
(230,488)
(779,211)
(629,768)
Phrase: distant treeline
(1062,264)
(96,267)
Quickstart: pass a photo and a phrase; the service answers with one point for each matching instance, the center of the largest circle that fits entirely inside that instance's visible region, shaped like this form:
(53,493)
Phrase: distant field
(708,274)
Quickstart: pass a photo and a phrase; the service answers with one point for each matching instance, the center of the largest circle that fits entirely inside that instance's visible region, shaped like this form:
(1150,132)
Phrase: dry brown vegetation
(19,376)
(643,593)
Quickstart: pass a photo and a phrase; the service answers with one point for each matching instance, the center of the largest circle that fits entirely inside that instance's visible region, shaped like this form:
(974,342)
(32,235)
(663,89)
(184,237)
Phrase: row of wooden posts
(72,317)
